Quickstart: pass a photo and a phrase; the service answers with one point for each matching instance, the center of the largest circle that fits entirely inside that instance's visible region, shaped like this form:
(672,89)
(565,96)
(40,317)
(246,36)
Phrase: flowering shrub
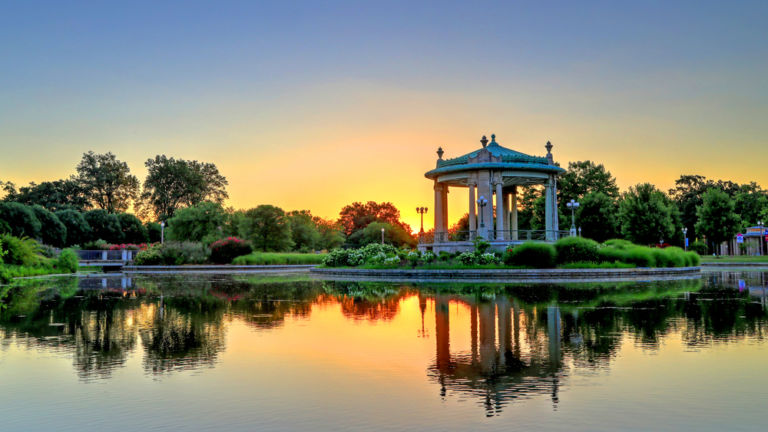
(429,257)
(467,258)
(225,250)
(126,246)
(487,258)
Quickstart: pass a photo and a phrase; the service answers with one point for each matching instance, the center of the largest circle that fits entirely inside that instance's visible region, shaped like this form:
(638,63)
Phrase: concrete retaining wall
(510,275)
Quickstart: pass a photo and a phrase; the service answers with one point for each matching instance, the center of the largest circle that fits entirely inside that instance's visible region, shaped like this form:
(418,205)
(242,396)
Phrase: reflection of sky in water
(238,353)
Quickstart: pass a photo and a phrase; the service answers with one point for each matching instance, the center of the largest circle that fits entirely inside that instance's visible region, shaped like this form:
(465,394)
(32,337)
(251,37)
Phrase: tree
(597,216)
(357,216)
(749,201)
(201,222)
(54,196)
(107,182)
(393,234)
(582,178)
(175,183)
(78,230)
(460,230)
(717,218)
(688,195)
(154,231)
(52,231)
(304,232)
(646,215)
(21,219)
(133,230)
(268,228)
(104,226)
(331,236)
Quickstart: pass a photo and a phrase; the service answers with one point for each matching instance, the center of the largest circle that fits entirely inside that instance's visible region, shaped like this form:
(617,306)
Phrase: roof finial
(550,159)
(440,153)
(493,138)
(484,141)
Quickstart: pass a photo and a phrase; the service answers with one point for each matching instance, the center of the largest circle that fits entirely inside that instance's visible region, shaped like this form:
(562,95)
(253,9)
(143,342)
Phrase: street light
(685,238)
(573,205)
(421,211)
(482,202)
(162,232)
(382,236)
(579,231)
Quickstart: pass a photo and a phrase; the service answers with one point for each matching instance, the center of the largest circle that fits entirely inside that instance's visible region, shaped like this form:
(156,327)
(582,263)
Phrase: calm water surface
(286,353)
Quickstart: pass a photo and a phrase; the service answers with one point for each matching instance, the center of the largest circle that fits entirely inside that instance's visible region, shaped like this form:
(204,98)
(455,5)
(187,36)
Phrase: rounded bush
(619,243)
(575,249)
(530,254)
(52,231)
(611,255)
(692,259)
(21,219)
(150,256)
(105,226)
(675,256)
(699,247)
(640,256)
(225,250)
(78,230)
(67,261)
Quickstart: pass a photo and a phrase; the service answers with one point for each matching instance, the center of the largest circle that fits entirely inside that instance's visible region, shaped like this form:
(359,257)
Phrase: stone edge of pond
(512,275)
(215,268)
(734,264)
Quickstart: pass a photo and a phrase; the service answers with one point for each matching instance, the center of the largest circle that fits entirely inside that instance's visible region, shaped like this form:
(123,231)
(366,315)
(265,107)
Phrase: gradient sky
(317,104)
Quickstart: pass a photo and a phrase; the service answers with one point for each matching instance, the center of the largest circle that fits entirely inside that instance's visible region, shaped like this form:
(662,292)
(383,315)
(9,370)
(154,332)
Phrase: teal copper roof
(504,158)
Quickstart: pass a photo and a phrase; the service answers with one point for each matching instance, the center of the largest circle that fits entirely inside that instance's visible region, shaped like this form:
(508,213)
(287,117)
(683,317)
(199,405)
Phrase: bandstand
(492,174)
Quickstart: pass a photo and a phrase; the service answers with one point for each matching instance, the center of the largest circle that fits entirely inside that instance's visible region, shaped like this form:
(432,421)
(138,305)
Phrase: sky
(314,105)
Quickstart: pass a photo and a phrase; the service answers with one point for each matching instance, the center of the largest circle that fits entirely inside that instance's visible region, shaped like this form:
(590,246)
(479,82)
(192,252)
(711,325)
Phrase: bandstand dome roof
(495,157)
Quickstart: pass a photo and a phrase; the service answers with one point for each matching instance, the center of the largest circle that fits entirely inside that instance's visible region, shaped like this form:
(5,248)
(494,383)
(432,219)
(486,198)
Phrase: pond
(287,353)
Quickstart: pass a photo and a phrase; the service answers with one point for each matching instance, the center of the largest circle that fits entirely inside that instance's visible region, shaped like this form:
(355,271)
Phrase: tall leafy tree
(331,236)
(174,183)
(749,201)
(304,232)
(268,228)
(688,195)
(717,218)
(54,196)
(201,222)
(393,234)
(133,230)
(646,215)
(107,181)
(598,216)
(357,216)
(582,178)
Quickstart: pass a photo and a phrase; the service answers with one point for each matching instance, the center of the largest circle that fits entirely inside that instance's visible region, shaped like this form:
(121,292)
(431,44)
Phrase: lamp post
(382,236)
(573,205)
(162,232)
(685,238)
(579,231)
(421,211)
(481,203)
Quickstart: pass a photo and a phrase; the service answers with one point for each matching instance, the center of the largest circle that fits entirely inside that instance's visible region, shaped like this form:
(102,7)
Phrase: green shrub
(21,251)
(468,258)
(180,253)
(78,230)
(444,256)
(481,245)
(619,243)
(675,257)
(225,250)
(151,256)
(592,265)
(133,230)
(640,256)
(67,261)
(52,231)
(531,254)
(699,247)
(428,257)
(608,254)
(21,219)
(287,258)
(104,226)
(334,258)
(154,231)
(692,259)
(575,249)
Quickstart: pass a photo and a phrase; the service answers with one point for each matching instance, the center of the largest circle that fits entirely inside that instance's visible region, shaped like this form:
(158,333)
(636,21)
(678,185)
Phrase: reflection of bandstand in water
(498,369)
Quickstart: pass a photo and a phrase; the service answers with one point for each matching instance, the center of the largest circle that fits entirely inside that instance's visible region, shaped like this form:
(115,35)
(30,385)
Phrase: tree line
(711,211)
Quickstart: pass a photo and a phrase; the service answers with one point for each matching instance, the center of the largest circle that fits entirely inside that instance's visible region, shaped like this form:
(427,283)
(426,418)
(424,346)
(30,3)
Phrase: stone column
(438,211)
(472,204)
(445,209)
(549,199)
(513,214)
(505,212)
(499,212)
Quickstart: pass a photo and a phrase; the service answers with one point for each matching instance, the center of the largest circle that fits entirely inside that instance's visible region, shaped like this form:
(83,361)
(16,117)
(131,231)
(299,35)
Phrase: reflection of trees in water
(366,301)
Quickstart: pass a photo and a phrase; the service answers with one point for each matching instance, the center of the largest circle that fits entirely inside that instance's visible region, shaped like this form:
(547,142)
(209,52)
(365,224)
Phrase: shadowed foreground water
(289,353)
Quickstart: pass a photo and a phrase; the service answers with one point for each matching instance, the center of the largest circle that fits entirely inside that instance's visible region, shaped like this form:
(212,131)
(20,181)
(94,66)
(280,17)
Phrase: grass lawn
(279,258)
(748,258)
